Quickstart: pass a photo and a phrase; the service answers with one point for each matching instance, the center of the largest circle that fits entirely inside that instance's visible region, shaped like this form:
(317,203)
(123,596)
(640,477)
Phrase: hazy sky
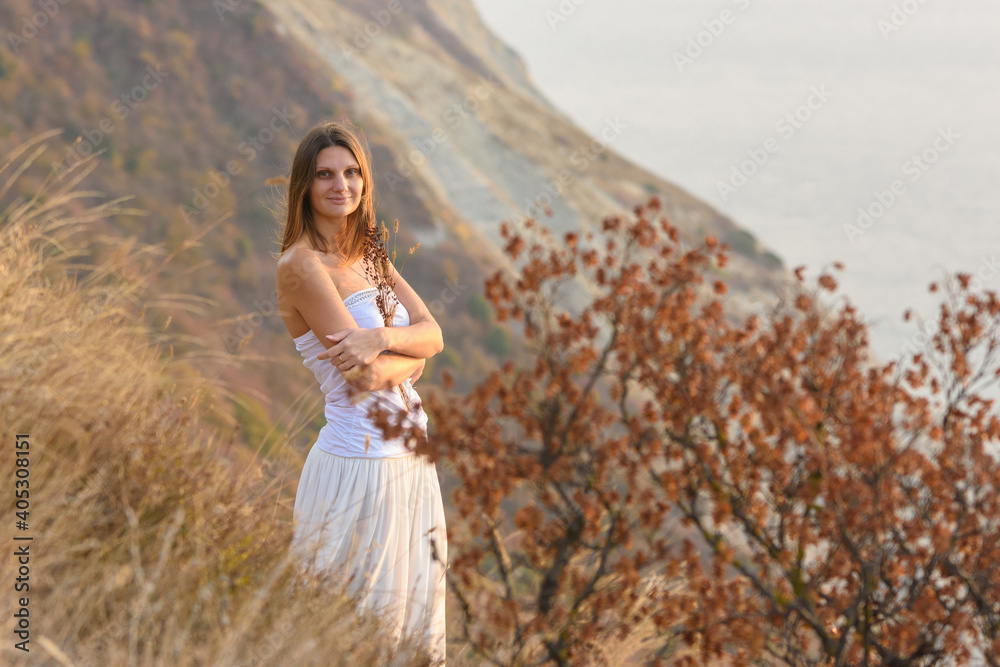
(704,85)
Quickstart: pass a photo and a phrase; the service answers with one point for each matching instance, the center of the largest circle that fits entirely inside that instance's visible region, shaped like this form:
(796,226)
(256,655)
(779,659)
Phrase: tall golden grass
(148,547)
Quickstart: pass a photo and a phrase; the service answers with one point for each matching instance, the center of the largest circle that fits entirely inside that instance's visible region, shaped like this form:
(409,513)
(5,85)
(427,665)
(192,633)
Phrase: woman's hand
(420,369)
(354,347)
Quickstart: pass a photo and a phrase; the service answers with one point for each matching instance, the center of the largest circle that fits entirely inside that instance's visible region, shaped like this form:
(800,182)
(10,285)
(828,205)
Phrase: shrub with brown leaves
(734,492)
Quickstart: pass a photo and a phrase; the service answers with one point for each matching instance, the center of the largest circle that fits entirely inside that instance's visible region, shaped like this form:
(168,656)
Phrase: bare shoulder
(297,254)
(295,265)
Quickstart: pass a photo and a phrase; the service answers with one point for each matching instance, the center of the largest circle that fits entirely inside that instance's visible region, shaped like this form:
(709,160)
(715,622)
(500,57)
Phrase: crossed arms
(369,359)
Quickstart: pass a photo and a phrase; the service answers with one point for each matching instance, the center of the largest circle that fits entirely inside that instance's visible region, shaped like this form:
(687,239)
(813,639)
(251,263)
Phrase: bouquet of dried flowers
(379,270)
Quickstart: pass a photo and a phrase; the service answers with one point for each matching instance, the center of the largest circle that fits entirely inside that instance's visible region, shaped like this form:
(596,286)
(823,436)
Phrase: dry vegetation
(649,484)
(832,510)
(150,547)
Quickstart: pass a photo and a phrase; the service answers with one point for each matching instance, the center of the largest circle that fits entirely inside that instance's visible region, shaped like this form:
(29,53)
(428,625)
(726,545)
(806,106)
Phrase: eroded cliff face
(461,140)
(471,136)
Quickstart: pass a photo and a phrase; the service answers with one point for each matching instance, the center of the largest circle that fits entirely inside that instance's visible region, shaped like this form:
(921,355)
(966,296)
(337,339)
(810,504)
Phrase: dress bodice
(348,425)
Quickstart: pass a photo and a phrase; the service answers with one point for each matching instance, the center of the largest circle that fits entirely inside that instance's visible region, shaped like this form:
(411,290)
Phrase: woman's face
(337,184)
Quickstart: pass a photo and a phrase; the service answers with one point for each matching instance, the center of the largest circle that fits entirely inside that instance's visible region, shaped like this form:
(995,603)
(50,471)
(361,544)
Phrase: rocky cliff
(193,107)
(470,130)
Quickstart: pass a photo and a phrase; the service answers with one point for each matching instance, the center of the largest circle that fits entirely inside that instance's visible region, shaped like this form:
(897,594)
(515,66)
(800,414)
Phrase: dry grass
(149,547)
(152,545)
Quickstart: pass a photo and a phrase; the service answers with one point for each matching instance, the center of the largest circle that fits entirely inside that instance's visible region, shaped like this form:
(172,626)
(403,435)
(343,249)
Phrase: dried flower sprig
(379,271)
(395,232)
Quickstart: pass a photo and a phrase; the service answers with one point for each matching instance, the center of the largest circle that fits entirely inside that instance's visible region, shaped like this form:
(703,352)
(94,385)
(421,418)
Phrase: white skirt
(378,525)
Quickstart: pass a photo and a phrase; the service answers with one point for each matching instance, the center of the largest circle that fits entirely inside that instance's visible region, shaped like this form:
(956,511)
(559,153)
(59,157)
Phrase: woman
(367,508)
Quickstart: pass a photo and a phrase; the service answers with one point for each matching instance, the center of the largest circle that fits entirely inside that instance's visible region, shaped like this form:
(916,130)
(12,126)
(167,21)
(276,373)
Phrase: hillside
(194,106)
(142,538)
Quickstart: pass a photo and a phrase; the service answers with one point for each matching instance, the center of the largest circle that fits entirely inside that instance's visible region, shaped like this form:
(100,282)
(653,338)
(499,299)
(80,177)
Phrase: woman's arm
(311,291)
(362,346)
(388,370)
(422,338)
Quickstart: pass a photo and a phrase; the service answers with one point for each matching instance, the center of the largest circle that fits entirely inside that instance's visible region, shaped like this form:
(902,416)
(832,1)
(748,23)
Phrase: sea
(862,131)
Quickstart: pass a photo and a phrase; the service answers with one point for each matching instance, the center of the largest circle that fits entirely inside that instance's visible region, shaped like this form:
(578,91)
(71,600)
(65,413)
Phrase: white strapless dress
(371,512)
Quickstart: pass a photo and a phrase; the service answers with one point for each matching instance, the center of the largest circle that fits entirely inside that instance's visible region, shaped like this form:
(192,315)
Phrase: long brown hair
(298,210)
